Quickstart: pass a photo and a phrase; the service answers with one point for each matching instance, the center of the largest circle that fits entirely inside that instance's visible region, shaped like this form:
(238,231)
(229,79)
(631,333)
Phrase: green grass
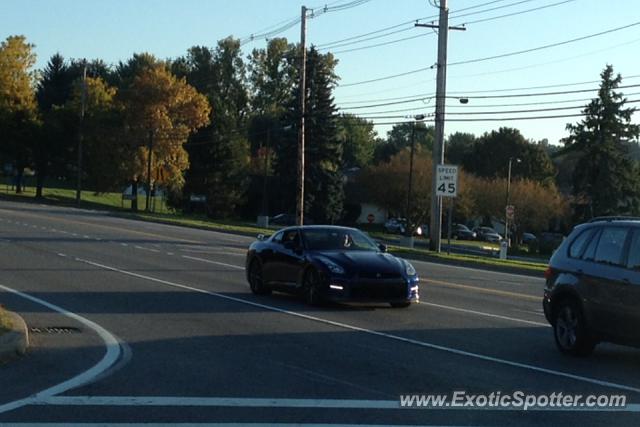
(113,202)
(471,260)
(5,322)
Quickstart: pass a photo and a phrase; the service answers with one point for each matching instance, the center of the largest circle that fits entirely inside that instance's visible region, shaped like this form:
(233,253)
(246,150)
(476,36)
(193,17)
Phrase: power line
(514,95)
(504,55)
(371,46)
(335,43)
(295,21)
(519,52)
(417,97)
(476,113)
(477,21)
(564,59)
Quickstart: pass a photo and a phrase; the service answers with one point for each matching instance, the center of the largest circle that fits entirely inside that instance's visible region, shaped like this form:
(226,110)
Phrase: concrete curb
(16,341)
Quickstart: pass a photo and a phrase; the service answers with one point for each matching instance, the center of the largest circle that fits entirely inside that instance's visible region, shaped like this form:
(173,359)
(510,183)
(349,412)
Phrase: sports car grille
(380,290)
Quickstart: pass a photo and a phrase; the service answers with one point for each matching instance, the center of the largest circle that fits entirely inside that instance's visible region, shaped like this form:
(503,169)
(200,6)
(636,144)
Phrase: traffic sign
(447,181)
(511,210)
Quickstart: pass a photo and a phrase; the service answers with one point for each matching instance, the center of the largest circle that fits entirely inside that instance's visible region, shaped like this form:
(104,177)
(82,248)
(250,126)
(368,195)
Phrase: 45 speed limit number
(447,181)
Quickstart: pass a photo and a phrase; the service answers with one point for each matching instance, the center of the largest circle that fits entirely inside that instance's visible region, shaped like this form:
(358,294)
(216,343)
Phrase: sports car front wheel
(311,287)
(256,280)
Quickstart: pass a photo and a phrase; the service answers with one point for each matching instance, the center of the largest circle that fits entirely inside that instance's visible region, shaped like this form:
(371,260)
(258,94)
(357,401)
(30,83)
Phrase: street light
(506,219)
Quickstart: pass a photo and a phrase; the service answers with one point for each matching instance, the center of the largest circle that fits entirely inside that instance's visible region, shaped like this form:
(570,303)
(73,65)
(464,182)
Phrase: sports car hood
(364,262)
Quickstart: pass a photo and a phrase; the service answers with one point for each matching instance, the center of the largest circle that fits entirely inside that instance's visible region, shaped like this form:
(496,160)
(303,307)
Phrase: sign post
(447,186)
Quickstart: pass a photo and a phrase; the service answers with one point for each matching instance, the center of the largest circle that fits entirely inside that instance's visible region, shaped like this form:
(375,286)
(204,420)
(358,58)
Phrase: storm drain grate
(54,330)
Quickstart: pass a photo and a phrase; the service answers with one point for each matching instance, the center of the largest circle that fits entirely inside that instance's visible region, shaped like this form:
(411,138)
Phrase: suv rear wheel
(570,330)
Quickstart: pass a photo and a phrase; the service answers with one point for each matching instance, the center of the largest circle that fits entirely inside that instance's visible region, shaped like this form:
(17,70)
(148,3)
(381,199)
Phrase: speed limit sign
(447,181)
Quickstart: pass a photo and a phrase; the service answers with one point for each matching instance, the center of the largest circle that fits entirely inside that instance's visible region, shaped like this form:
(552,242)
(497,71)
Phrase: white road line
(110,357)
(124,244)
(399,338)
(61,254)
(213,262)
(481,313)
(243,402)
(142,248)
(170,253)
(207,424)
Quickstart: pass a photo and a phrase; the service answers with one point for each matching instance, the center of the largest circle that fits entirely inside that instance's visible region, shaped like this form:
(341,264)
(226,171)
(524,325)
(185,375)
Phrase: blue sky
(113,30)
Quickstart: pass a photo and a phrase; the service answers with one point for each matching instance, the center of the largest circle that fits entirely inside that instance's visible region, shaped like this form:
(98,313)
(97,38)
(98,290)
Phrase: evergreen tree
(324,192)
(605,179)
(56,143)
(219,153)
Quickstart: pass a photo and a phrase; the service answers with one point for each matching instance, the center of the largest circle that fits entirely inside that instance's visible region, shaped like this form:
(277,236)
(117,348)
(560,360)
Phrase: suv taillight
(548,273)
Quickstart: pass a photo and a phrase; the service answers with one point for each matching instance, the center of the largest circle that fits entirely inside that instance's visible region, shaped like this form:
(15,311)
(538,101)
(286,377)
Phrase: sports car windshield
(328,239)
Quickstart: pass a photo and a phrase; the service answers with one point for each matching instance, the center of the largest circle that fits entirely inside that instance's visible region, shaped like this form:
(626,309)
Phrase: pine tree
(605,180)
(324,187)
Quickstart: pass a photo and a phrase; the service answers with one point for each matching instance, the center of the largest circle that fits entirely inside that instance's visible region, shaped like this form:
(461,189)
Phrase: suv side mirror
(382,247)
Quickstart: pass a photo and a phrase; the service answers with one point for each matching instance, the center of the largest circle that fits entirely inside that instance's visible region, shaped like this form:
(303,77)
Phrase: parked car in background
(462,232)
(396,225)
(592,291)
(283,219)
(528,238)
(487,234)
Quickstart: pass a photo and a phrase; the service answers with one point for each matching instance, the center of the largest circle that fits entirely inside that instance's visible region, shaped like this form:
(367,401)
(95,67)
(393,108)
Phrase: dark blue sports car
(330,263)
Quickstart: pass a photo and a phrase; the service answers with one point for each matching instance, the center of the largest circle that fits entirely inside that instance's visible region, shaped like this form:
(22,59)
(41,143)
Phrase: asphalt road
(146,323)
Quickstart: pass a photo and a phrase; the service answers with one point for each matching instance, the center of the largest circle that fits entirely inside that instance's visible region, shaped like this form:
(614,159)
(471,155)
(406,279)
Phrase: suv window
(611,245)
(579,243)
(590,253)
(634,251)
(278,237)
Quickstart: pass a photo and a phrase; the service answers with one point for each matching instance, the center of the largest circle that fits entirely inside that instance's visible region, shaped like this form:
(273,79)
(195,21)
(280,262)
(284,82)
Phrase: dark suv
(592,293)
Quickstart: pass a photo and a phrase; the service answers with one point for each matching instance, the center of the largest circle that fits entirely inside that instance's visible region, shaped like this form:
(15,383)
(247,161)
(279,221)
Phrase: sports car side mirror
(382,247)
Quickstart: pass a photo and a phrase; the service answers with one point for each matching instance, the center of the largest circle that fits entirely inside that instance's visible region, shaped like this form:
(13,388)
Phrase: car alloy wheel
(311,287)
(570,331)
(256,281)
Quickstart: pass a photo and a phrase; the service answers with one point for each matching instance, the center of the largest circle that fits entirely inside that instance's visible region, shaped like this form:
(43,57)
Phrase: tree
(106,155)
(536,204)
(490,155)
(219,153)
(18,110)
(400,136)
(59,129)
(459,146)
(273,77)
(386,185)
(358,139)
(324,192)
(605,180)
(160,112)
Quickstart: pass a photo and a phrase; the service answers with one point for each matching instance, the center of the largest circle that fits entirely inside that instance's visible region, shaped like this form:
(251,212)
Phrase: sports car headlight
(408,268)
(332,266)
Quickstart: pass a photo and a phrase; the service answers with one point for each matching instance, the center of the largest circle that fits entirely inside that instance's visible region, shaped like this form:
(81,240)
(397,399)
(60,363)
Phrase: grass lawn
(425,255)
(113,202)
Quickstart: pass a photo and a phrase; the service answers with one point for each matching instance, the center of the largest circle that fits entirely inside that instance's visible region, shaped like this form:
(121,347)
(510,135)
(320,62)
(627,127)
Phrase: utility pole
(435,225)
(80,134)
(266,149)
(409,229)
(303,99)
(149,157)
